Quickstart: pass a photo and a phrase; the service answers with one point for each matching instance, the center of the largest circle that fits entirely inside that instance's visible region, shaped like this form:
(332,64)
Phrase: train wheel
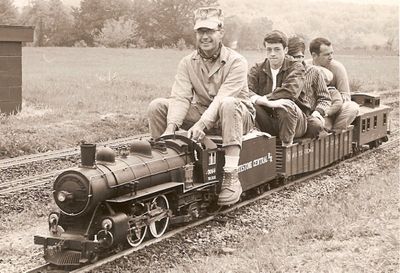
(158,227)
(94,257)
(137,229)
(136,235)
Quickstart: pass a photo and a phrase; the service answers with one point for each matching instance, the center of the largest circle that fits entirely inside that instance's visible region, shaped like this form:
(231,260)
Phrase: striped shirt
(315,95)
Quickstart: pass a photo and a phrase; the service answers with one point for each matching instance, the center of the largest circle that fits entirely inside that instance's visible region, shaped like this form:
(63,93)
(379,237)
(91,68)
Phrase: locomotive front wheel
(158,227)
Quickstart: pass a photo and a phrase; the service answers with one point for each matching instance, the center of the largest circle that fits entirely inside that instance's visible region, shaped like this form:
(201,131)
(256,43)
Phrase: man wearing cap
(210,92)
(275,85)
(314,99)
(322,55)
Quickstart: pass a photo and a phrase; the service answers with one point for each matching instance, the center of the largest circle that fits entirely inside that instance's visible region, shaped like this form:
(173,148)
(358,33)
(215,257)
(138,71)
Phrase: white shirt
(274,73)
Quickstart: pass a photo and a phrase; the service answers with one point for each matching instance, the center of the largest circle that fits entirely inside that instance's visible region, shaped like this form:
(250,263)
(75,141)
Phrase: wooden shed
(11,39)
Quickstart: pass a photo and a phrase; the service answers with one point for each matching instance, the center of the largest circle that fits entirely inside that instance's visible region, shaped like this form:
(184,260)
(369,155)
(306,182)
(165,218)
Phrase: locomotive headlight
(106,224)
(63,195)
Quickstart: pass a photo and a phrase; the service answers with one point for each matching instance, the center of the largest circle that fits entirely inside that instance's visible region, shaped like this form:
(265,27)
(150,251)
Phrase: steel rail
(28,182)
(11,162)
(42,269)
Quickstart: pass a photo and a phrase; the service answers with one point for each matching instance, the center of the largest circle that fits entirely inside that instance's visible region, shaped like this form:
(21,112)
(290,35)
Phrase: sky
(21,3)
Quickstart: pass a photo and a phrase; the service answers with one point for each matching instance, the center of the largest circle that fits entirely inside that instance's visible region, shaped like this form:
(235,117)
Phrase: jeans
(287,124)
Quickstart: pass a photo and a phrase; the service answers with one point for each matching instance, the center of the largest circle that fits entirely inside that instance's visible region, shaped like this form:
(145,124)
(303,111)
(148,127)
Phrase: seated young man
(275,85)
(322,55)
(210,90)
(314,99)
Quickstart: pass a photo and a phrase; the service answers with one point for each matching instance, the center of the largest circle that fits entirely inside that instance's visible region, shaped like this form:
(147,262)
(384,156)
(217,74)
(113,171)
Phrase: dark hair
(315,44)
(296,44)
(276,36)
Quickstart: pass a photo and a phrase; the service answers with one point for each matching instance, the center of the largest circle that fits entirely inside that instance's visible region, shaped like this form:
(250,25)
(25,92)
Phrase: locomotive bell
(105,154)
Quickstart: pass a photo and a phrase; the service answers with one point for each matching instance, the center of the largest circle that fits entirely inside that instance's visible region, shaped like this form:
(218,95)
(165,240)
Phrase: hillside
(352,23)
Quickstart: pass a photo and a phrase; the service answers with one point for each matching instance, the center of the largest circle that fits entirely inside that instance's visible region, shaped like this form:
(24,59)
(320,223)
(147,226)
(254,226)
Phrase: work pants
(344,117)
(234,120)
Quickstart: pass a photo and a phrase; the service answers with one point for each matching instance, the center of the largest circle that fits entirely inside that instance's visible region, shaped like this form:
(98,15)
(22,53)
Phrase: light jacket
(290,80)
(194,84)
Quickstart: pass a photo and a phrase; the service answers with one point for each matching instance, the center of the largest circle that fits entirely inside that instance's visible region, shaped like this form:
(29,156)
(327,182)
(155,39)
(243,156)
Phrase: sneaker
(231,189)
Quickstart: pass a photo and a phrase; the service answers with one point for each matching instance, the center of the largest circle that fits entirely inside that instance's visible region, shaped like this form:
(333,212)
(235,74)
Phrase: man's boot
(231,189)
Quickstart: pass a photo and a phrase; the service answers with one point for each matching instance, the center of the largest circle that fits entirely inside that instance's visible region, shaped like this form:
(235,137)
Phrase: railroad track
(29,182)
(11,162)
(87,268)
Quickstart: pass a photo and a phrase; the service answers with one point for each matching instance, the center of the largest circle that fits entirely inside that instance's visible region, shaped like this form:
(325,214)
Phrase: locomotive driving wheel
(136,235)
(137,227)
(160,206)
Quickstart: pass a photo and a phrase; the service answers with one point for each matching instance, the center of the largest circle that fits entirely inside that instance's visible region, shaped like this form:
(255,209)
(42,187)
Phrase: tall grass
(355,231)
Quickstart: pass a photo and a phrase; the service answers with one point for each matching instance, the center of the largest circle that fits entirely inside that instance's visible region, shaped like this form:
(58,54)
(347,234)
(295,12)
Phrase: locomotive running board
(147,191)
(180,186)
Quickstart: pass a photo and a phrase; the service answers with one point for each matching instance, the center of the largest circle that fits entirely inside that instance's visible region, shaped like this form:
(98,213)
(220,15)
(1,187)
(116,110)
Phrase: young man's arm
(342,81)
(292,84)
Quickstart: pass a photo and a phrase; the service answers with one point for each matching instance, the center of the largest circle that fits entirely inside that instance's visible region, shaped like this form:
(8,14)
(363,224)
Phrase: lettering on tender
(255,162)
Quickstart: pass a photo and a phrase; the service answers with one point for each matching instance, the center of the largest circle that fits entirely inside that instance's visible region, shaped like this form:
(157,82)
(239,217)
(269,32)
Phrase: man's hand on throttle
(196,133)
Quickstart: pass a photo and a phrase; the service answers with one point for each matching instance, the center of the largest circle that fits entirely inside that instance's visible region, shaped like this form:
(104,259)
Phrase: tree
(253,33)
(91,16)
(52,20)
(60,24)
(233,26)
(164,22)
(8,12)
(35,15)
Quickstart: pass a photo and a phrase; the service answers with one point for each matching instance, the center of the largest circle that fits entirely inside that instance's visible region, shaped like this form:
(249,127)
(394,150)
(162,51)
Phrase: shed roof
(10,33)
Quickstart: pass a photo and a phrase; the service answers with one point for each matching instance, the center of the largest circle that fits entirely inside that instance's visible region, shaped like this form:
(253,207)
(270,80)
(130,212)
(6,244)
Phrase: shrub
(117,33)
(141,43)
(80,43)
(181,44)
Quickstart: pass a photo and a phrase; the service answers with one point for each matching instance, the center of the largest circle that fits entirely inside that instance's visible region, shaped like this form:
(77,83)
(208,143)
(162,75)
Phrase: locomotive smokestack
(88,152)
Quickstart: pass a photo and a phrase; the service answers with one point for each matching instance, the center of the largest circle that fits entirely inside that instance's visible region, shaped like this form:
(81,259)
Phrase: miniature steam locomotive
(110,200)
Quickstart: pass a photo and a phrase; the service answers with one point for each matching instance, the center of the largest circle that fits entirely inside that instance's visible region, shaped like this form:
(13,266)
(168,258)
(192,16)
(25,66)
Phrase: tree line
(159,24)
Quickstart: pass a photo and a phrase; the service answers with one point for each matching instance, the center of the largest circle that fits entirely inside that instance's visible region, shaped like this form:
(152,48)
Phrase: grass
(97,94)
(355,231)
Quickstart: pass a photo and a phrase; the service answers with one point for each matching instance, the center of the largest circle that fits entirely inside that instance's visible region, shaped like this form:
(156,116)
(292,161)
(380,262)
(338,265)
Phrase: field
(339,222)
(97,94)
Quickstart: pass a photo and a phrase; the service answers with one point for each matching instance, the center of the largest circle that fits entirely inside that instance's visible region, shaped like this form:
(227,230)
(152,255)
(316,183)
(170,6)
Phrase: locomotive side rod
(174,232)
(46,268)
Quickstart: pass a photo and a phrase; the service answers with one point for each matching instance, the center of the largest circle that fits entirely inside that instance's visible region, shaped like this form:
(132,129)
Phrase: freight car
(110,200)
